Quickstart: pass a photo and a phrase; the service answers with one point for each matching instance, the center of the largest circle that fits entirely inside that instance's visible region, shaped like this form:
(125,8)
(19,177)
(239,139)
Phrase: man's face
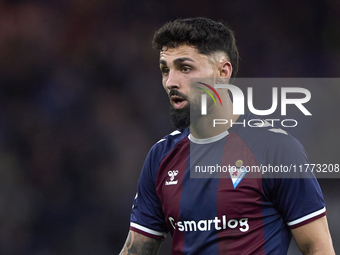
(178,65)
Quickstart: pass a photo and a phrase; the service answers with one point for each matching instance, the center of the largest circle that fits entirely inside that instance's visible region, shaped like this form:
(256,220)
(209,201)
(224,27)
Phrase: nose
(172,81)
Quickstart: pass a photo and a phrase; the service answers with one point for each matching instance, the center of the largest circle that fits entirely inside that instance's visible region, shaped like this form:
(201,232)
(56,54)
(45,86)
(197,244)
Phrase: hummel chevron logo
(172,175)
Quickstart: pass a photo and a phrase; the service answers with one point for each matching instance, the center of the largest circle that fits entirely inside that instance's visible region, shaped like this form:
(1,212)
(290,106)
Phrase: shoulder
(156,154)
(163,147)
(168,142)
(267,141)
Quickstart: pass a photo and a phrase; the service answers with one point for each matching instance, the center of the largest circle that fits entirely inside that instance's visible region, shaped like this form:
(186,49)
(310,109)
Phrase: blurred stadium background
(81,103)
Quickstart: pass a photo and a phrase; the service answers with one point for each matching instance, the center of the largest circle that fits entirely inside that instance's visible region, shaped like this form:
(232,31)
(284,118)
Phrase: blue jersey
(234,212)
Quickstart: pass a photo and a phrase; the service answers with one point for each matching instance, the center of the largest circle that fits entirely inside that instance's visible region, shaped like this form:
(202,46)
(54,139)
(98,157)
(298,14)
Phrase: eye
(165,70)
(186,69)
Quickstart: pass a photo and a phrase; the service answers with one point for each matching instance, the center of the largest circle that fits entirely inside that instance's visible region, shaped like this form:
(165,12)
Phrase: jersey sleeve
(297,198)
(147,216)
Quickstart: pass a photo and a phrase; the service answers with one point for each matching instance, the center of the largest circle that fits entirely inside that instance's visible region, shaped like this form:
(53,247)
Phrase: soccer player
(231,214)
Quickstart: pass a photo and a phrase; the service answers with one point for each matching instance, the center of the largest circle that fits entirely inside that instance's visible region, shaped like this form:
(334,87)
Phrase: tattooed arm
(137,244)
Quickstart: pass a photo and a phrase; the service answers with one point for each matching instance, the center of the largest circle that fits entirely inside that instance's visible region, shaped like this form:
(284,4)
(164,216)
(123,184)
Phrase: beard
(180,118)
(191,113)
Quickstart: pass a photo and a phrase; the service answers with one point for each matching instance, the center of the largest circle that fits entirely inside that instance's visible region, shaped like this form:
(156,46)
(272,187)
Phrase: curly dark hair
(206,35)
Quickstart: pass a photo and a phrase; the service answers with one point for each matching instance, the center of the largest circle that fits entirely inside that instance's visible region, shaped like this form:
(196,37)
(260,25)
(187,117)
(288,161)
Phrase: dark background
(81,103)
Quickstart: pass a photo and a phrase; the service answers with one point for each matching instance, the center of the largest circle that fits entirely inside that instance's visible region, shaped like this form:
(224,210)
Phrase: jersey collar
(208,140)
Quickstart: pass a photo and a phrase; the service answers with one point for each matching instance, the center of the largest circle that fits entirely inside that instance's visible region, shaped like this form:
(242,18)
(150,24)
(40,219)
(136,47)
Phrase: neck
(204,126)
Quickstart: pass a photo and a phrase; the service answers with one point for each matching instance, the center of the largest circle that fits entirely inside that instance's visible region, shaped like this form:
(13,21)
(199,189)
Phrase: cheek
(164,86)
(210,73)
(205,73)
(164,82)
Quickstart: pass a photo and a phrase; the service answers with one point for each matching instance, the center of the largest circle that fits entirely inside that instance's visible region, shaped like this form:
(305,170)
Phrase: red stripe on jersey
(240,206)
(146,234)
(308,221)
(169,190)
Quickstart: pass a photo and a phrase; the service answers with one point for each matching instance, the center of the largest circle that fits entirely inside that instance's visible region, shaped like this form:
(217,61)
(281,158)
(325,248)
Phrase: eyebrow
(176,61)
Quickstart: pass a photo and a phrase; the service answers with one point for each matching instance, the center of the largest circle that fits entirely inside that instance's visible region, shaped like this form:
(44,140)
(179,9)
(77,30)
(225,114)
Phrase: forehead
(181,51)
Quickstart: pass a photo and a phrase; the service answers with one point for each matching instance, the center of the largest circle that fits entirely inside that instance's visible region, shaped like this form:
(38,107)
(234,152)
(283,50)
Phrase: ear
(226,69)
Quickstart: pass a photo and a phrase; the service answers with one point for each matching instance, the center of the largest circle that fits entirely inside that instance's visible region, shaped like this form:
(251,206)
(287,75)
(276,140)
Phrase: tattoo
(129,240)
(132,249)
(137,244)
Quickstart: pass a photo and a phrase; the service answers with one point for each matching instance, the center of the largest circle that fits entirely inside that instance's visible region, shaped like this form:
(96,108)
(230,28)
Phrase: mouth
(178,102)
